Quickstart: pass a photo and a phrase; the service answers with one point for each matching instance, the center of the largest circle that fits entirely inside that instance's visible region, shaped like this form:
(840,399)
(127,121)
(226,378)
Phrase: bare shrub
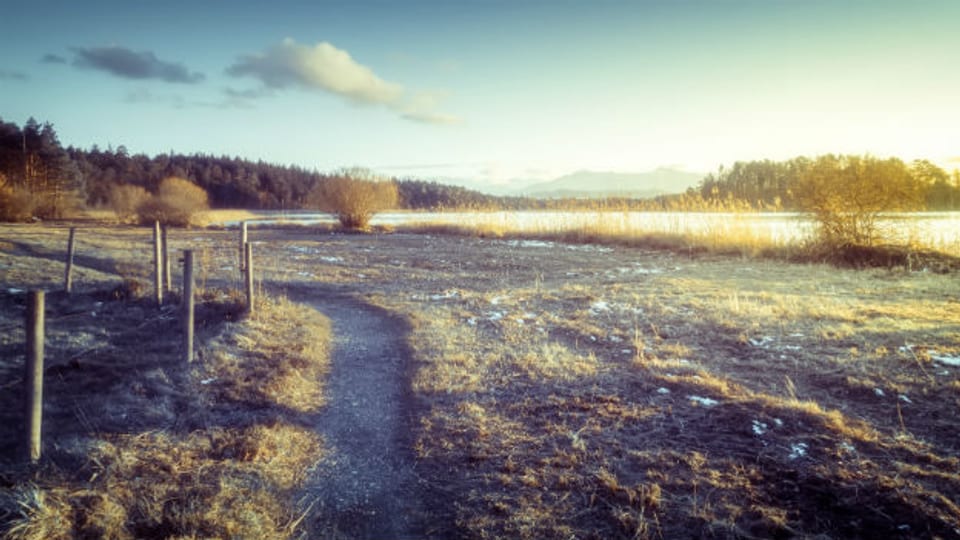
(176,203)
(848,194)
(126,199)
(354,196)
(16,204)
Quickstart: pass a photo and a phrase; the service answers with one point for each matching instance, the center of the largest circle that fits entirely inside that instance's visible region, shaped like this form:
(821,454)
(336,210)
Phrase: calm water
(935,229)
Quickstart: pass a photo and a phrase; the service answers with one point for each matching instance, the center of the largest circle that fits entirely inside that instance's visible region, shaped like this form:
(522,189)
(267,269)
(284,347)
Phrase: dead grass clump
(282,356)
(228,464)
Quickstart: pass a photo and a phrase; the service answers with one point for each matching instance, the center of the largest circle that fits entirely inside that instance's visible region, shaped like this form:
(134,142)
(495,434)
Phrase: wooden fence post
(188,305)
(33,376)
(243,243)
(157,265)
(68,273)
(248,257)
(168,279)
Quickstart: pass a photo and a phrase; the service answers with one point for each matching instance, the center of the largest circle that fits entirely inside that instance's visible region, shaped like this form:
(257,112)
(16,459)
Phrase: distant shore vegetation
(40,179)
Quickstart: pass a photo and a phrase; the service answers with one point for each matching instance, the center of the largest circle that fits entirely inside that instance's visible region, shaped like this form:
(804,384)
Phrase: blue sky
(490,91)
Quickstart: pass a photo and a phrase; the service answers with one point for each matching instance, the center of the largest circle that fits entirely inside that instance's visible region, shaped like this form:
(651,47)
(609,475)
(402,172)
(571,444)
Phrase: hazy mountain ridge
(662,181)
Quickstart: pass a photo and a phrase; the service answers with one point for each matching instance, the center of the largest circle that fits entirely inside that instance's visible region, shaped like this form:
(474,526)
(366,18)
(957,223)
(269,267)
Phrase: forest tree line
(773,185)
(39,174)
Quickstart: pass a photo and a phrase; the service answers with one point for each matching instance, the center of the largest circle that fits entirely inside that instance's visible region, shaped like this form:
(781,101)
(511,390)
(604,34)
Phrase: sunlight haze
(490,93)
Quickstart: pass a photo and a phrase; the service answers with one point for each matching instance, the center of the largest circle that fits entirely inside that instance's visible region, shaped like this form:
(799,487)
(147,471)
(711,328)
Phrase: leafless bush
(126,199)
(176,203)
(15,204)
(354,196)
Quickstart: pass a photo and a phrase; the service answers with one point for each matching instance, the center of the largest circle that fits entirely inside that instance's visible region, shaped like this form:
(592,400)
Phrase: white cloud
(326,68)
(320,67)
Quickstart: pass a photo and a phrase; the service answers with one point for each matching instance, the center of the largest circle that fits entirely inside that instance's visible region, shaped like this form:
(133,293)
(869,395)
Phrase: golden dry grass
(232,468)
(711,398)
(596,391)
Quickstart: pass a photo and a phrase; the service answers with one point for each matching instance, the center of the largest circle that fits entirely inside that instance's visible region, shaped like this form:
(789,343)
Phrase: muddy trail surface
(367,487)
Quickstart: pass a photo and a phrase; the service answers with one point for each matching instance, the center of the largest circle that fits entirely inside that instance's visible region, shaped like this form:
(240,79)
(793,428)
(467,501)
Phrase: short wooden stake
(33,376)
(243,243)
(248,258)
(168,279)
(188,306)
(157,264)
(68,273)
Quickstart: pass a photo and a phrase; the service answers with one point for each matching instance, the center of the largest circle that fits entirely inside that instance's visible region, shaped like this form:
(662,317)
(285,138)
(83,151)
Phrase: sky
(490,92)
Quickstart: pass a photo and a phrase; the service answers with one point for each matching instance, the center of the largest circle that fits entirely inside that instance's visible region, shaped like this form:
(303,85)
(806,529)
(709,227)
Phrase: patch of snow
(472,321)
(798,450)
(599,306)
(495,301)
(759,428)
(615,339)
(453,293)
(626,351)
(530,243)
(904,398)
(588,247)
(495,315)
(208,381)
(778,422)
(706,402)
(879,392)
(762,342)
(847,447)
(663,390)
(947,360)
(331,259)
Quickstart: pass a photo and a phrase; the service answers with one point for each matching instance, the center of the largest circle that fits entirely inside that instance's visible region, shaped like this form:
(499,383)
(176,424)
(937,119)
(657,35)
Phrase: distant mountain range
(592,184)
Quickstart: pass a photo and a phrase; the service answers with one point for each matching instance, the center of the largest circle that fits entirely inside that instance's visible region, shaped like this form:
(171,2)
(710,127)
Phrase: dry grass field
(558,390)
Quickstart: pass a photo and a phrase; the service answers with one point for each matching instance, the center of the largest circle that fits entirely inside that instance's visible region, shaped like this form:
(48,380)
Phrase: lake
(940,230)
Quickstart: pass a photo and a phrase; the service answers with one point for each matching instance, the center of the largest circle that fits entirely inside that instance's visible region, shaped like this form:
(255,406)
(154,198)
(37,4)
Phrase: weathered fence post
(33,376)
(68,273)
(188,305)
(168,279)
(248,259)
(243,243)
(157,265)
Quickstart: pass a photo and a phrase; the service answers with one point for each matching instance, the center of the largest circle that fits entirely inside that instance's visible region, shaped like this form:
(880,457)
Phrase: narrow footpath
(367,486)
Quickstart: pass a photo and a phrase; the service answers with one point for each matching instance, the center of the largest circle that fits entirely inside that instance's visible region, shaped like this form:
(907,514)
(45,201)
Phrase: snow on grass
(706,402)
(599,306)
(798,450)
(946,359)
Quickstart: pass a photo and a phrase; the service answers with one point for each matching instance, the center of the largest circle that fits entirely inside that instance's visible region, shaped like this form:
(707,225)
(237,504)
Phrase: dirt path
(368,487)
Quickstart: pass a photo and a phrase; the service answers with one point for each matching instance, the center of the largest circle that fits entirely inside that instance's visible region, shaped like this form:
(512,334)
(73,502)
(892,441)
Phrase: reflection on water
(939,230)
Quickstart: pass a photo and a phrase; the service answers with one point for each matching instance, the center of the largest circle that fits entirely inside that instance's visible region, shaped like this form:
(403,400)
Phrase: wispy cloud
(130,64)
(254,93)
(53,59)
(13,75)
(142,96)
(437,119)
(324,67)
